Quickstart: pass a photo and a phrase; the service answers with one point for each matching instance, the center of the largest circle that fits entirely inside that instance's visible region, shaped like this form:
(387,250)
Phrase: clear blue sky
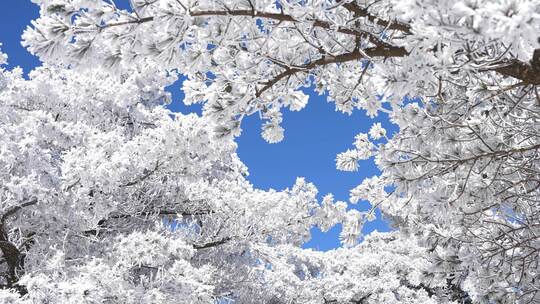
(313,136)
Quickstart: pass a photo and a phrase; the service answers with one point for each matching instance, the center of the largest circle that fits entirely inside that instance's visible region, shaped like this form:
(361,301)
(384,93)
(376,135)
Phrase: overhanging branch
(527,73)
(518,69)
(11,211)
(264,15)
(385,51)
(363,12)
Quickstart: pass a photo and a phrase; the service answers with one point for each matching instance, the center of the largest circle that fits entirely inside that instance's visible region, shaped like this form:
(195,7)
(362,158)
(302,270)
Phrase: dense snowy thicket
(108,197)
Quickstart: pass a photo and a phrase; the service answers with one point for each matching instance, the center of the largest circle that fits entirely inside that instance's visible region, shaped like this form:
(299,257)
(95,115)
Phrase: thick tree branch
(10,252)
(527,73)
(386,51)
(146,174)
(288,18)
(212,244)
(12,256)
(363,12)
(359,301)
(11,211)
(102,223)
(265,15)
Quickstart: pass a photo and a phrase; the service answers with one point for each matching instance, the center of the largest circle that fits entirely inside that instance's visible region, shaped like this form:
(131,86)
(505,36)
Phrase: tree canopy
(109,197)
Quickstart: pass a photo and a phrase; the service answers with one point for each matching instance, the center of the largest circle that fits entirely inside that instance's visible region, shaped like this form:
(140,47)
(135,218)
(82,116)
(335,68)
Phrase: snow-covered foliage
(384,268)
(255,56)
(108,197)
(464,177)
(460,176)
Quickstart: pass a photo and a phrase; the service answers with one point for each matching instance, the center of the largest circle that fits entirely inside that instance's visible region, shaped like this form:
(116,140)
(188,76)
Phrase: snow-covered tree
(244,56)
(461,174)
(464,175)
(384,268)
(108,197)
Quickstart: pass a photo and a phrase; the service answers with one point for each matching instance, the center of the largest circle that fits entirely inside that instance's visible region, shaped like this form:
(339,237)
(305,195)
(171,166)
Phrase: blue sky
(313,136)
